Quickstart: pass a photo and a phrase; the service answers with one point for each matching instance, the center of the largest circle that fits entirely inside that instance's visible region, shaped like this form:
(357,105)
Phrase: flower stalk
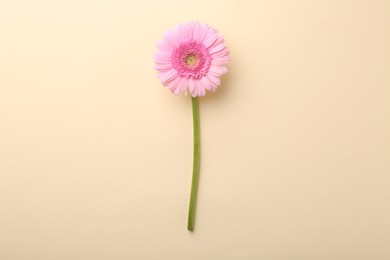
(195,169)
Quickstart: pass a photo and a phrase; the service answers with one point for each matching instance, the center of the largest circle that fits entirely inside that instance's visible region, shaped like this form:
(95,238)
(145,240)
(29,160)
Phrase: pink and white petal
(220,40)
(162,61)
(220,61)
(207,31)
(206,83)
(183,84)
(176,91)
(162,55)
(213,86)
(162,45)
(163,66)
(221,53)
(200,88)
(204,31)
(171,85)
(176,86)
(188,32)
(192,26)
(217,70)
(197,87)
(222,68)
(172,39)
(161,75)
(214,80)
(198,30)
(192,86)
(182,31)
(210,39)
(216,48)
(169,76)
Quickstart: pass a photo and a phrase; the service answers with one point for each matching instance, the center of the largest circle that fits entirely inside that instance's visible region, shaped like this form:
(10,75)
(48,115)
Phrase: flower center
(191,59)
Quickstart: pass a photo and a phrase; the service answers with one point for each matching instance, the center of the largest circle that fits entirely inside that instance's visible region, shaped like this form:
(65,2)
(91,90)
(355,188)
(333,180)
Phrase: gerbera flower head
(191,57)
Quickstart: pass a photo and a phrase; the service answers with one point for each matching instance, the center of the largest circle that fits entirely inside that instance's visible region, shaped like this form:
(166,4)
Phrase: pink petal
(220,61)
(210,40)
(220,40)
(162,61)
(162,45)
(182,32)
(215,80)
(198,30)
(192,86)
(217,48)
(171,38)
(176,86)
(171,85)
(206,32)
(190,30)
(217,70)
(162,57)
(170,75)
(221,53)
(162,67)
(206,83)
(200,89)
(176,91)
(183,84)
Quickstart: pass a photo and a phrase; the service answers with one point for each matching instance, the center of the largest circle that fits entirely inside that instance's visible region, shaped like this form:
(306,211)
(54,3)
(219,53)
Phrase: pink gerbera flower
(191,57)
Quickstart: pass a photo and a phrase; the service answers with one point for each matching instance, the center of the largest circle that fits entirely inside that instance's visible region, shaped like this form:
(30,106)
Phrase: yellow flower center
(190,59)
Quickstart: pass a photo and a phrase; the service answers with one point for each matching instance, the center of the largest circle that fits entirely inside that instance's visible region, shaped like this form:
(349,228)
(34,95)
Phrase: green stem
(195,169)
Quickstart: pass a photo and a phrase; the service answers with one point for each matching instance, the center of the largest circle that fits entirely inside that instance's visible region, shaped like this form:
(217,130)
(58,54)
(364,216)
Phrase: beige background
(96,156)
